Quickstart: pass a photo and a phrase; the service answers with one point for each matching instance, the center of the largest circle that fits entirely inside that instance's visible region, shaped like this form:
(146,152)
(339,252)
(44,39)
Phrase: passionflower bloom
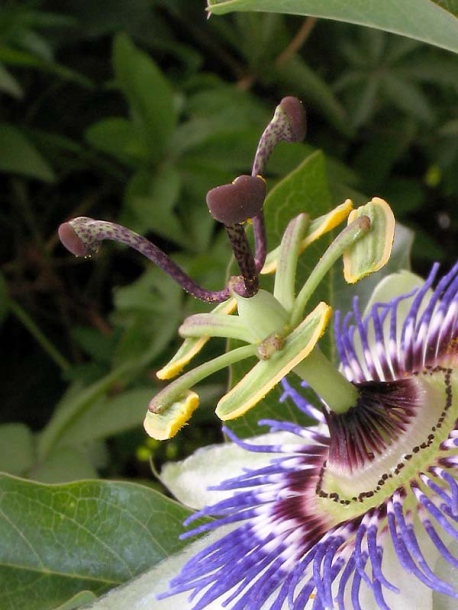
(361,511)
(357,507)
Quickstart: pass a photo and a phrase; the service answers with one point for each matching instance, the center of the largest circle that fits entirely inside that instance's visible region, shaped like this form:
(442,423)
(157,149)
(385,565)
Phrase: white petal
(449,574)
(188,480)
(414,595)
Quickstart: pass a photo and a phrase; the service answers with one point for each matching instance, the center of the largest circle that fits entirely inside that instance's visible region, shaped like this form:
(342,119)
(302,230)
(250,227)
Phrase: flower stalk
(326,381)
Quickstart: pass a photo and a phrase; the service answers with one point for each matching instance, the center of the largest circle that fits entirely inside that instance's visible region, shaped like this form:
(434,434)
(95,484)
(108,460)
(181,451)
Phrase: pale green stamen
(345,240)
(177,388)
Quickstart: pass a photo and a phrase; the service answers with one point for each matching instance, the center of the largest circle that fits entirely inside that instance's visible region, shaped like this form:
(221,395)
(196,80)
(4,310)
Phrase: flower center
(392,434)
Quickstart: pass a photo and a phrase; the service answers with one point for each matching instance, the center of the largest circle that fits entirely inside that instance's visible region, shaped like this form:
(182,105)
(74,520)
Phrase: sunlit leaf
(420,19)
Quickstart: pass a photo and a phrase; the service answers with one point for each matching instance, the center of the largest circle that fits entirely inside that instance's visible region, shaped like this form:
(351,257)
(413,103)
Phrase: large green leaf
(435,23)
(60,540)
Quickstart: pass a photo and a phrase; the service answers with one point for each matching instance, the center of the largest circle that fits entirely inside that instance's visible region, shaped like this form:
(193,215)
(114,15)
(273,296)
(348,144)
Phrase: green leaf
(150,203)
(420,19)
(148,93)
(109,416)
(19,156)
(60,540)
(16,448)
(64,464)
(299,79)
(149,309)
(24,59)
(75,402)
(449,5)
(408,97)
(142,593)
(119,138)
(78,600)
(9,84)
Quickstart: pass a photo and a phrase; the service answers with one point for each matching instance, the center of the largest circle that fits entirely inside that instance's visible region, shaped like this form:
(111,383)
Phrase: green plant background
(131,112)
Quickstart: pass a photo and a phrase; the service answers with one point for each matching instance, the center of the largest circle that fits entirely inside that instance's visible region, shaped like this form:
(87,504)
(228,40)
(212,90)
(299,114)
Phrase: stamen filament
(216,325)
(177,388)
(322,376)
(351,234)
(285,279)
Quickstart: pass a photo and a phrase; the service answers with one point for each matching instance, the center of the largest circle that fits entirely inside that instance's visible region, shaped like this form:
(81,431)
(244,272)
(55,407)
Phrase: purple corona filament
(347,514)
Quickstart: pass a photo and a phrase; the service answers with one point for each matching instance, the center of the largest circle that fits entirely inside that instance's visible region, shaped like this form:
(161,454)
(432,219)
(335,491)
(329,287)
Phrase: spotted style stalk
(361,493)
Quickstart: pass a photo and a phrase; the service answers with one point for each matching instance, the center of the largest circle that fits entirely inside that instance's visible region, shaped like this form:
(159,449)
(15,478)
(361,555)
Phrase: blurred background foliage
(131,111)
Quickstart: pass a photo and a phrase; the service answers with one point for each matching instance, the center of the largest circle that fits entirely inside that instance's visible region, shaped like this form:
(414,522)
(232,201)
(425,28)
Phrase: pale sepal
(448,573)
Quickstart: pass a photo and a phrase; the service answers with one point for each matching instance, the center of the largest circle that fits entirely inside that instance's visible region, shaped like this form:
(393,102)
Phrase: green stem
(43,341)
(323,377)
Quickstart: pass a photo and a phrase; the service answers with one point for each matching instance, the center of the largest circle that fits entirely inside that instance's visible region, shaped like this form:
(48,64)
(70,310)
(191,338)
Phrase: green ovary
(346,494)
